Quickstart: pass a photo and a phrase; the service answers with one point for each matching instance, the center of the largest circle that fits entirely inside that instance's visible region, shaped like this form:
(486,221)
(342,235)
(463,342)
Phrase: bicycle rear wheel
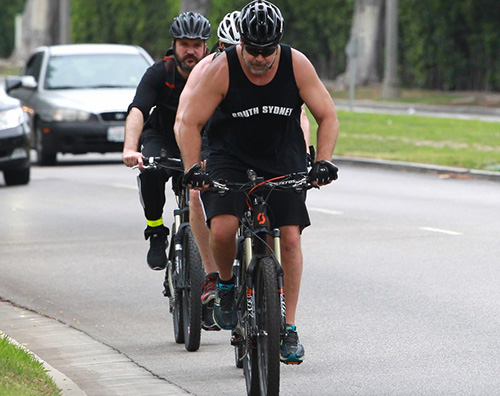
(191,295)
(262,363)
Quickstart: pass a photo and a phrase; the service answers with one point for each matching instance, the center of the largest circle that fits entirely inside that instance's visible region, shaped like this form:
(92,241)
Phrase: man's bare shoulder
(219,63)
(298,58)
(202,65)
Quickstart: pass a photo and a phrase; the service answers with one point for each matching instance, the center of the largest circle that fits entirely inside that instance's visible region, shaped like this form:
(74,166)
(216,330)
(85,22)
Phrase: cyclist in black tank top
(256,126)
(256,90)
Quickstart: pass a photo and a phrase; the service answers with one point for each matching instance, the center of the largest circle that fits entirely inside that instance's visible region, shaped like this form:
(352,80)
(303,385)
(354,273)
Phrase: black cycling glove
(323,172)
(195,177)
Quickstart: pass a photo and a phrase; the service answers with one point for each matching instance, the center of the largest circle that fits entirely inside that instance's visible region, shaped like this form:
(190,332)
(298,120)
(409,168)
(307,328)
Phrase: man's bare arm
(133,129)
(203,101)
(193,80)
(319,102)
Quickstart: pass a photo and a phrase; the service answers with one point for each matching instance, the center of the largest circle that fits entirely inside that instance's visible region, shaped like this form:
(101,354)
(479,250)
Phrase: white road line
(327,211)
(440,231)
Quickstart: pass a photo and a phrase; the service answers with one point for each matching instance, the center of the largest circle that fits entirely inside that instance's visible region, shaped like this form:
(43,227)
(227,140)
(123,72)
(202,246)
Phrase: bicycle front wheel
(191,295)
(264,354)
(177,311)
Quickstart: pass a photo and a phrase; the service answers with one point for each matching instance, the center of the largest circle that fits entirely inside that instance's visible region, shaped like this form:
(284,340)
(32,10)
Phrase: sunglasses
(256,51)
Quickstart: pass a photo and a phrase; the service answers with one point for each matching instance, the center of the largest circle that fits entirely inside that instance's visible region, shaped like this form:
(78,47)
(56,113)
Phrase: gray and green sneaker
(291,350)
(225,315)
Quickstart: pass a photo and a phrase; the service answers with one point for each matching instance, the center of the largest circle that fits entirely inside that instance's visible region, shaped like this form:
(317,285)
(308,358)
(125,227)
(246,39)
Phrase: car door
(28,95)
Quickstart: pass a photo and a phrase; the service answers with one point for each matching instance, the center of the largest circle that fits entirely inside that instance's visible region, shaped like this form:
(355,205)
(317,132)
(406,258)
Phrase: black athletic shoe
(157,256)
(207,317)
(291,350)
(225,306)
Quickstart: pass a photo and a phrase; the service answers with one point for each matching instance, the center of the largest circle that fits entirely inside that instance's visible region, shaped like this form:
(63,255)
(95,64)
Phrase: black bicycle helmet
(261,24)
(190,25)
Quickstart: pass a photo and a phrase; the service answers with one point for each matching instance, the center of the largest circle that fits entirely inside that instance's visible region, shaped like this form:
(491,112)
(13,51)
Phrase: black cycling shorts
(284,207)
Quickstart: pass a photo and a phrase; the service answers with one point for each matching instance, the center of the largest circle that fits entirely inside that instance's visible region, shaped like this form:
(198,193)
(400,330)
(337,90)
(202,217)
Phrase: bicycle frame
(181,221)
(254,240)
(184,273)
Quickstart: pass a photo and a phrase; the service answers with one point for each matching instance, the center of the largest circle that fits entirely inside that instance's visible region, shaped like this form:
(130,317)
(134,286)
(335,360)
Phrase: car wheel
(44,157)
(15,177)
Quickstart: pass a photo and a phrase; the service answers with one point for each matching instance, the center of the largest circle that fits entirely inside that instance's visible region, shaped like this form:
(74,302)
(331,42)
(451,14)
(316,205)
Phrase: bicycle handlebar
(296,181)
(162,162)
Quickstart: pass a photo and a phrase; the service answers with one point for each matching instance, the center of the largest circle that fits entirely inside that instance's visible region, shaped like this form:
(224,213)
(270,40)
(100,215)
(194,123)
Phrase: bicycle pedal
(292,362)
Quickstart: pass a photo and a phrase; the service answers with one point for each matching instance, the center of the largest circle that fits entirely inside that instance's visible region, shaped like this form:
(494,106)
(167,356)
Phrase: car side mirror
(15,82)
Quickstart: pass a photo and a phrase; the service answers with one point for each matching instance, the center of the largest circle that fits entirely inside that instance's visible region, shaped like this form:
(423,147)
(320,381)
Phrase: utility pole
(390,84)
(64,22)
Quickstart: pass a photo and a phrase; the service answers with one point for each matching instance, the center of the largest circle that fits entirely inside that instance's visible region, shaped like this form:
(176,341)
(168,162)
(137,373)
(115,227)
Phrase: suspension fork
(279,272)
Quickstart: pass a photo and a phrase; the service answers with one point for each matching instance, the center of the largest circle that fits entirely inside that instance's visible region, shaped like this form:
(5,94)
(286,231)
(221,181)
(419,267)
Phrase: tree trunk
(363,48)
(201,6)
(44,22)
(390,84)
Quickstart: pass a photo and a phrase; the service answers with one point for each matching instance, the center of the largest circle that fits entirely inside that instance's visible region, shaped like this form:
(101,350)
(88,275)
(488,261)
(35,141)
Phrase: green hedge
(445,45)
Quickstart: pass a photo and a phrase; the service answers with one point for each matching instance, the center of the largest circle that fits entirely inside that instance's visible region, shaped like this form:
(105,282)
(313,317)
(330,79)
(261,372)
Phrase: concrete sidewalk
(79,364)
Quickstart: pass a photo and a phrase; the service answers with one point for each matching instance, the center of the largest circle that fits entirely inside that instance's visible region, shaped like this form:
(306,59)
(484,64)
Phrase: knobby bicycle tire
(177,313)
(193,277)
(262,369)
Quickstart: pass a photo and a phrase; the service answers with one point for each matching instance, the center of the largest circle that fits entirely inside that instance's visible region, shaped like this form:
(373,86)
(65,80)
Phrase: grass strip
(451,142)
(21,373)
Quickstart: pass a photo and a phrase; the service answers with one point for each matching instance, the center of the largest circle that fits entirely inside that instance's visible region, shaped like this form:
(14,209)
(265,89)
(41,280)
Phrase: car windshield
(95,71)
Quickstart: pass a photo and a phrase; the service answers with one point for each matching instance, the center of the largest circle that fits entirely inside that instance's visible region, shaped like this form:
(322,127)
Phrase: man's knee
(290,239)
(223,229)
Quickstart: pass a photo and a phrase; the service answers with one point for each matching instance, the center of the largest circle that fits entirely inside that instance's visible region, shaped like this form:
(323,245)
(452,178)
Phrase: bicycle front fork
(276,236)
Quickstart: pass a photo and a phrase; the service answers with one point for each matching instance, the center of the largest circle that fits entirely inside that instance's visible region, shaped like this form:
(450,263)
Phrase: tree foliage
(9,10)
(140,22)
(319,29)
(450,45)
(443,44)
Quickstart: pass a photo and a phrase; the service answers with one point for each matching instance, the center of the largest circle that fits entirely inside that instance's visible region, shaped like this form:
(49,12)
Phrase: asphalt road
(400,289)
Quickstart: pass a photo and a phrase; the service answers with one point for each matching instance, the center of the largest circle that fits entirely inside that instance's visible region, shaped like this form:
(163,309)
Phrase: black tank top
(258,127)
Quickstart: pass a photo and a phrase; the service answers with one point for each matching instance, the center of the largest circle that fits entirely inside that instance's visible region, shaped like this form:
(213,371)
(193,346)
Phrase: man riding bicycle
(161,87)
(228,35)
(255,91)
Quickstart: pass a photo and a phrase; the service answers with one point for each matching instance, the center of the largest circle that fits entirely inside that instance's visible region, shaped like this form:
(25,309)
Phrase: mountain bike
(184,274)
(259,283)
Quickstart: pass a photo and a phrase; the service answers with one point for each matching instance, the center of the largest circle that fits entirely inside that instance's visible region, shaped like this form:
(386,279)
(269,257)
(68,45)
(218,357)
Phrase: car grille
(115,116)
(8,145)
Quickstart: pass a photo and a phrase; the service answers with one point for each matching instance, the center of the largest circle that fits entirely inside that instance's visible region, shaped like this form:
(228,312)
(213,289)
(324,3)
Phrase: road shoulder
(79,364)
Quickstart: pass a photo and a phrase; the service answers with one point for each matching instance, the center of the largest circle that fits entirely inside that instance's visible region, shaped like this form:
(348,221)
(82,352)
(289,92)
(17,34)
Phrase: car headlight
(11,118)
(70,115)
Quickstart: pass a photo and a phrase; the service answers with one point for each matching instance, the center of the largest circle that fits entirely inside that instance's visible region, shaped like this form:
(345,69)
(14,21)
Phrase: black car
(77,96)
(14,141)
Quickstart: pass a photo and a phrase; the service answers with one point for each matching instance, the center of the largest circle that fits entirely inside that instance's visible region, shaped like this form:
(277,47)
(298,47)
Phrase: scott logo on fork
(250,302)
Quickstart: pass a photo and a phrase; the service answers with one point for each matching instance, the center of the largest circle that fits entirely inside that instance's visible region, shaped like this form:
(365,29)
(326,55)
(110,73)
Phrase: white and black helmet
(228,31)
(190,25)
(261,24)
